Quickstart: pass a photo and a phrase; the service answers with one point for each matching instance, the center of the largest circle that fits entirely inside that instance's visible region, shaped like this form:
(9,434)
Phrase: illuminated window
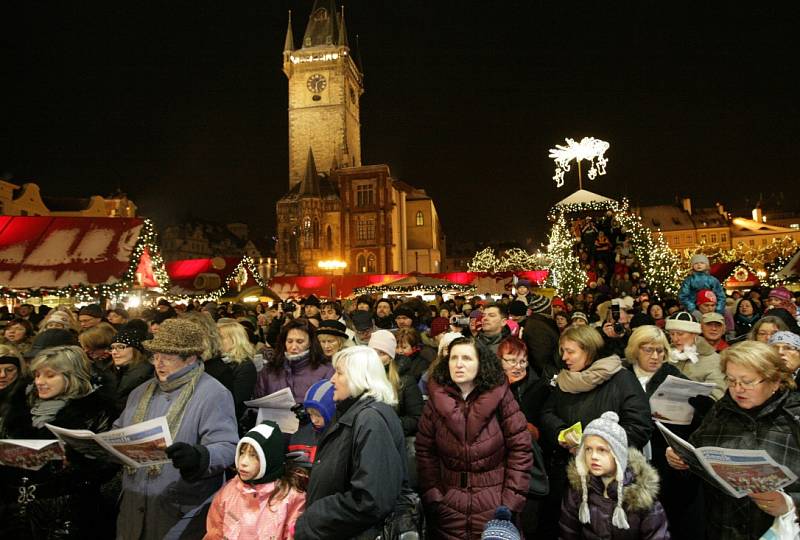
(362,266)
(713,238)
(371,264)
(420,219)
(703,238)
(723,237)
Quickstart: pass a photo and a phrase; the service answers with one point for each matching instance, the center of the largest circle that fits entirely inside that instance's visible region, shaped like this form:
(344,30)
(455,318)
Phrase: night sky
(183,105)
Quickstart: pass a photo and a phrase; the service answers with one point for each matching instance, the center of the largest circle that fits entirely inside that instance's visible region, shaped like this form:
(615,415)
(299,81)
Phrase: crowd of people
(469,404)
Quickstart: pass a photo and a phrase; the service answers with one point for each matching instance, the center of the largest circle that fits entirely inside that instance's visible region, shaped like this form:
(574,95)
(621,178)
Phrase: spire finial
(288,45)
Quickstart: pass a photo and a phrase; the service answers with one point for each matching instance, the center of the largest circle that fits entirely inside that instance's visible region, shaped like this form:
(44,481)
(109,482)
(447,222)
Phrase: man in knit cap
(540,334)
(611,487)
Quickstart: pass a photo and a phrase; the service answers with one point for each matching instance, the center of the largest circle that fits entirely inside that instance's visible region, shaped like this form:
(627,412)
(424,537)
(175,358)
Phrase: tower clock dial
(316,83)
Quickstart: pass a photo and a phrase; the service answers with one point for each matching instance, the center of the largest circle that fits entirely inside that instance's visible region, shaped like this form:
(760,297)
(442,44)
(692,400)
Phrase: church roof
(310,184)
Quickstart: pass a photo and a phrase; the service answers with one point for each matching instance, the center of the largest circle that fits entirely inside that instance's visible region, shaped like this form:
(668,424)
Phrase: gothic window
(294,244)
(420,219)
(365,195)
(371,264)
(362,265)
(316,233)
(329,239)
(307,232)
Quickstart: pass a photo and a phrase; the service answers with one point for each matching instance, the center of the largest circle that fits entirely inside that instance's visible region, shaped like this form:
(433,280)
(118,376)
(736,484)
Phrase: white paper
(670,401)
(32,454)
(277,407)
(139,445)
(737,472)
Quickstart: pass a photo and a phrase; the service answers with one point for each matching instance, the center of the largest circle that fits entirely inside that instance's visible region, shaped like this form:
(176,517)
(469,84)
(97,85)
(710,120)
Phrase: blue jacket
(697,281)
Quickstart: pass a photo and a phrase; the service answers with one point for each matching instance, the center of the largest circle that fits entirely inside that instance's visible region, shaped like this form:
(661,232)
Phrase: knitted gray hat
(700,258)
(785,338)
(607,428)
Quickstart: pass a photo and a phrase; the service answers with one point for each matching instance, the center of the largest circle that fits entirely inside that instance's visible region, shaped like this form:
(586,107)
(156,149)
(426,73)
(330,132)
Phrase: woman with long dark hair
(297,362)
(473,447)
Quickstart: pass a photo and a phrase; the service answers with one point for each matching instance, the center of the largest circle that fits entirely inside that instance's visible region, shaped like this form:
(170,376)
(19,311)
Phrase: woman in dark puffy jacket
(745,317)
(60,499)
(586,388)
(473,448)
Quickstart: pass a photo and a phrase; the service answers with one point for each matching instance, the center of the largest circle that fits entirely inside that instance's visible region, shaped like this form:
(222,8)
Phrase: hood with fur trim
(641,482)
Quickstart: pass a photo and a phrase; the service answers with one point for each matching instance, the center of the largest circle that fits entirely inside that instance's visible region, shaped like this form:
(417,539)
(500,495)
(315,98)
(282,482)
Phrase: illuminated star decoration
(589,149)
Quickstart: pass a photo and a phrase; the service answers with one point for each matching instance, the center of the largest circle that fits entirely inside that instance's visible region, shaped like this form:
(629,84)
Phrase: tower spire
(310,185)
(321,28)
(288,45)
(342,30)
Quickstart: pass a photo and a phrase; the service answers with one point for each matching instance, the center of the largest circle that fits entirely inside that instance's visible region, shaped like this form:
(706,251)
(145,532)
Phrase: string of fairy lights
(128,283)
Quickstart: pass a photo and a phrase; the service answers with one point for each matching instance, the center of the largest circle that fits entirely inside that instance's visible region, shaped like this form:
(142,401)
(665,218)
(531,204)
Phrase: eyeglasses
(119,347)
(652,350)
(765,333)
(519,362)
(733,383)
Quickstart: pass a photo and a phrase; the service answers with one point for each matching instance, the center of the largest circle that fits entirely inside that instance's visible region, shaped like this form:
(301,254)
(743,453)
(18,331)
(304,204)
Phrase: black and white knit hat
(501,527)
(539,304)
(607,428)
(267,440)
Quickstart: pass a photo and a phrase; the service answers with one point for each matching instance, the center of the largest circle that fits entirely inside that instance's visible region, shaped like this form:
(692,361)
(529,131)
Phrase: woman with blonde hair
(758,412)
(63,396)
(238,353)
(585,388)
(62,318)
(351,493)
(212,349)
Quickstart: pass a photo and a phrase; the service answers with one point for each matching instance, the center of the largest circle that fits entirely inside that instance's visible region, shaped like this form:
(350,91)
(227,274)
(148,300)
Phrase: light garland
(588,149)
(369,289)
(513,260)
(565,272)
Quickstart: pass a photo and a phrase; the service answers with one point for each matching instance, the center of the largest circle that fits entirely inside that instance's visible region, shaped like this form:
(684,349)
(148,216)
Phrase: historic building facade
(27,200)
(337,208)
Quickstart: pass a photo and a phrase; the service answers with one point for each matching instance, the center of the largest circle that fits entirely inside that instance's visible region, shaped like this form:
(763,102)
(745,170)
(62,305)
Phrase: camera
(455,320)
(619,329)
(288,307)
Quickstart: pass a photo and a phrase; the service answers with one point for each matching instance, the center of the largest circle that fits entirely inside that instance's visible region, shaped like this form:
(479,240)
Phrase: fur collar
(641,482)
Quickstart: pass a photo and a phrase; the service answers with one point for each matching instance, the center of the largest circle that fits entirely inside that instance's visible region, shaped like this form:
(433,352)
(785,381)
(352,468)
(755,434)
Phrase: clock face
(316,83)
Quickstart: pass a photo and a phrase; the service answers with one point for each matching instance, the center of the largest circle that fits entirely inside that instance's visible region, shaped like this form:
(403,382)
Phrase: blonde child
(266,498)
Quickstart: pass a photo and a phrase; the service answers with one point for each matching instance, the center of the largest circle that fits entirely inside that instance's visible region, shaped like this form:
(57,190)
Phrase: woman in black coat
(680,494)
(586,388)
(360,465)
(55,500)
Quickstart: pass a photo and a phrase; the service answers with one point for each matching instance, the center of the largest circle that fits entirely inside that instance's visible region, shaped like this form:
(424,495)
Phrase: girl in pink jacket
(266,498)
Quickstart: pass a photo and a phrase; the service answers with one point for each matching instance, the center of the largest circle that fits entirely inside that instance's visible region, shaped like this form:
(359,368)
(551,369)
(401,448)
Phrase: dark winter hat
(92,310)
(164,302)
(131,335)
(501,527)
(540,304)
(362,320)
(177,336)
(13,360)
(439,325)
(122,312)
(517,308)
(267,440)
(312,300)
(54,337)
(523,283)
(162,316)
(332,328)
(320,397)
(404,311)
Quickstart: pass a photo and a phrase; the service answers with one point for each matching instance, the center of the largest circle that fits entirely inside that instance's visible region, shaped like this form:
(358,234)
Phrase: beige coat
(706,369)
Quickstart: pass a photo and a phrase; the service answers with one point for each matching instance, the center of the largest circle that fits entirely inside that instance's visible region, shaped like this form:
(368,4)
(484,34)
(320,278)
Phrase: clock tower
(325,86)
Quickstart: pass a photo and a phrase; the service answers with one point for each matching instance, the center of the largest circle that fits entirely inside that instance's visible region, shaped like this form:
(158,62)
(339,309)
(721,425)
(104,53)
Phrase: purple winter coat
(297,375)
(645,514)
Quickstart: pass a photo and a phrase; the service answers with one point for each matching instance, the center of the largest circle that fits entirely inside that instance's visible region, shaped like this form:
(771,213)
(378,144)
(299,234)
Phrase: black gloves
(701,404)
(191,461)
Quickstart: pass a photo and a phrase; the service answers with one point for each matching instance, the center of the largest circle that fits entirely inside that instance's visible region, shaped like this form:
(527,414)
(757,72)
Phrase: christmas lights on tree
(566,274)
(513,260)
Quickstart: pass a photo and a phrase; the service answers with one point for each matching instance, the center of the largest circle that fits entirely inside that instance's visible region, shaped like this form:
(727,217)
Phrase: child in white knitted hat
(612,490)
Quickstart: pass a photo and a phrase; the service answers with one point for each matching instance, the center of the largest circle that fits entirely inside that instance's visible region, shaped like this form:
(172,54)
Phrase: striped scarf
(175,413)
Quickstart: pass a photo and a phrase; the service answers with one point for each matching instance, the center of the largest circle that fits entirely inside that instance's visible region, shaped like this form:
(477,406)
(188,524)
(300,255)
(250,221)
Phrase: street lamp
(332,265)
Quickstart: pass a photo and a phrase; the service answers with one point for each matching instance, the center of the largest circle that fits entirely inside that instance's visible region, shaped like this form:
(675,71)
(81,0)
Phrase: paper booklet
(278,408)
(736,472)
(30,454)
(139,445)
(670,401)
